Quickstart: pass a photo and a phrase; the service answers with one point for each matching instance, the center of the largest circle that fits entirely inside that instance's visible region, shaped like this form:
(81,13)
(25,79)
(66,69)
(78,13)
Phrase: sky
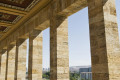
(78,36)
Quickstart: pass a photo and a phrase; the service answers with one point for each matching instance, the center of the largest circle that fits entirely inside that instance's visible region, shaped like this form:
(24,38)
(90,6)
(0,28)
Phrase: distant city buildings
(84,71)
(76,69)
(46,70)
(87,69)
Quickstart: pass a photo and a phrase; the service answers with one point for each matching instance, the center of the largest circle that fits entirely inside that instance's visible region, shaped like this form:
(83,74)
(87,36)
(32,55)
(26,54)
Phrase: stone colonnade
(104,40)
(13,60)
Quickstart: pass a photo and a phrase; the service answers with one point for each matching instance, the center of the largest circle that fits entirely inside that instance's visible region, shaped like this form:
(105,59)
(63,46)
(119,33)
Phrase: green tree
(46,75)
(74,76)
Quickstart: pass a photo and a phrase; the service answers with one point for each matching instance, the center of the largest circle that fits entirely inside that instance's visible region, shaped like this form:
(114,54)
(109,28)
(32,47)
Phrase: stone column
(20,59)
(11,63)
(6,71)
(59,54)
(0,60)
(104,40)
(3,65)
(35,56)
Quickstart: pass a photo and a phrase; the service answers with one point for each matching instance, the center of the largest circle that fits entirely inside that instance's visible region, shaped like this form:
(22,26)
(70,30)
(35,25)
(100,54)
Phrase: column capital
(34,33)
(19,41)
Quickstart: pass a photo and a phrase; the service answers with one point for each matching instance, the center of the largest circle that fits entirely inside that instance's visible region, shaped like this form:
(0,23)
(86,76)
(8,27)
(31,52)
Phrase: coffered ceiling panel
(14,13)
(19,4)
(9,18)
(2,28)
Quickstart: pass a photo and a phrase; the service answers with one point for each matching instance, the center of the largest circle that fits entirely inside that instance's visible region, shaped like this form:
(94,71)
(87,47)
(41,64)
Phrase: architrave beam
(12,11)
(5,24)
(2,33)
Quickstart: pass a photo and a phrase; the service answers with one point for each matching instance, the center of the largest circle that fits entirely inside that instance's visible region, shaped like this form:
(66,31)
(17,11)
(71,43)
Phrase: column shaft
(3,65)
(35,56)
(16,60)
(59,54)
(6,71)
(0,61)
(104,39)
(11,64)
(21,51)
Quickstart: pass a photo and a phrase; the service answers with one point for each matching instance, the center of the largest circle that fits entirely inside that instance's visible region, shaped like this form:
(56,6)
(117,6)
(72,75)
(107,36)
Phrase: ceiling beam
(5,24)
(2,33)
(12,11)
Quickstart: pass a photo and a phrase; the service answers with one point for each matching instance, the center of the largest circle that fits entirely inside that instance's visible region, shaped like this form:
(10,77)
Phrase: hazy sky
(79,43)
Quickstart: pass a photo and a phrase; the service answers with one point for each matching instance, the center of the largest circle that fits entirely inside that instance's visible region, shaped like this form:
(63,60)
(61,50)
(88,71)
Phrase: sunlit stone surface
(104,39)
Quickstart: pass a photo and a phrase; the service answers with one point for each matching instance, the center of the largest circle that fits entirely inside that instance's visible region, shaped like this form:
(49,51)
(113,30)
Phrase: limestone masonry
(26,19)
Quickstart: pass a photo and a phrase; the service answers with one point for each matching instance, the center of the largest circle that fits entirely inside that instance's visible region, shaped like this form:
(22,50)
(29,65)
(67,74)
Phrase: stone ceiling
(12,11)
